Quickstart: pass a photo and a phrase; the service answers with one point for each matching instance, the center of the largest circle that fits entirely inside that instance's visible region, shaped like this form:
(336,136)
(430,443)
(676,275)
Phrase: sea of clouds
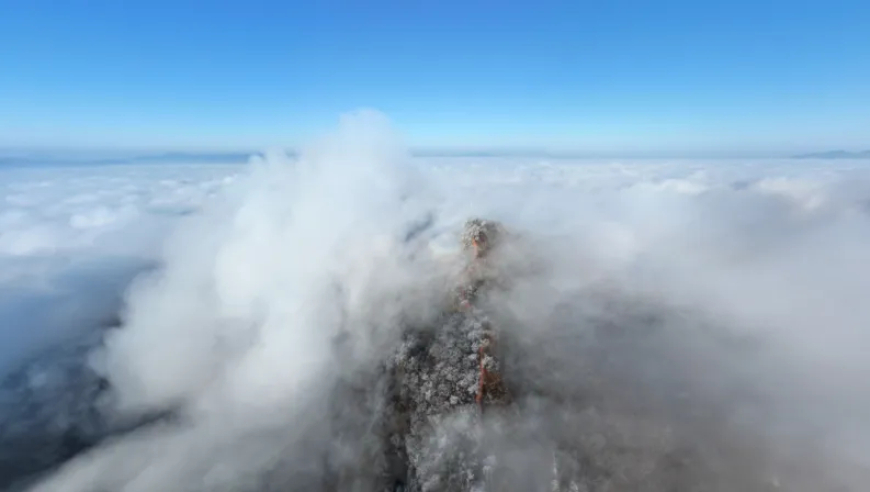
(72,238)
(230,283)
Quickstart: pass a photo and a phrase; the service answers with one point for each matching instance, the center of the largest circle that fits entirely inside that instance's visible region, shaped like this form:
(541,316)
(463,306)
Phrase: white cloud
(71,237)
(237,327)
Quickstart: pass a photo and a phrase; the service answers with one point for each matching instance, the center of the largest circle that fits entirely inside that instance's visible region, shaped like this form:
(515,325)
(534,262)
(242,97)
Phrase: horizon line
(200,153)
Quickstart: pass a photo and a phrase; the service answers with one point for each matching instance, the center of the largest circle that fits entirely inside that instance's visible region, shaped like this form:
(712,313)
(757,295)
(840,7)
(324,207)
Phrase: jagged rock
(444,377)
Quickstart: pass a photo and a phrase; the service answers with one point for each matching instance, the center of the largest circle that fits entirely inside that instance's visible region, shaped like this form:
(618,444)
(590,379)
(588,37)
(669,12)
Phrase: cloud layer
(236,329)
(71,238)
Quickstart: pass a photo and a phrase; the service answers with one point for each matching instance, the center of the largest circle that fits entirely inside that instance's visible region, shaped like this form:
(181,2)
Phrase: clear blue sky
(762,75)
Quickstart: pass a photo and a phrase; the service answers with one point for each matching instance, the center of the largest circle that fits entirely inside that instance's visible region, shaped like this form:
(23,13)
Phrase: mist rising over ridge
(671,323)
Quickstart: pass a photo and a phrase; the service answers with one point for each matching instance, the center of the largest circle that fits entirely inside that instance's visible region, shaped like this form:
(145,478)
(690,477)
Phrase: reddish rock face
(447,377)
(481,236)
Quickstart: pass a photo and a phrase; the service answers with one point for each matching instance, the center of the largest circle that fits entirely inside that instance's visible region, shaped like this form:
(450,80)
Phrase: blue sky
(678,76)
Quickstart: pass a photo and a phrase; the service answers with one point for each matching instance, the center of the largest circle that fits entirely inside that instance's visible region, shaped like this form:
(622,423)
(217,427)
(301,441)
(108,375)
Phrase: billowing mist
(706,314)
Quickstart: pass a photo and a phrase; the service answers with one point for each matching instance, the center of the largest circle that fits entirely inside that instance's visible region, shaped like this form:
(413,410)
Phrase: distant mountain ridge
(24,159)
(836,154)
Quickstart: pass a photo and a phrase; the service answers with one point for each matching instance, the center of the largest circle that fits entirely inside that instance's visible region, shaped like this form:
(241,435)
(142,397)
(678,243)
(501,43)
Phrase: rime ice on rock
(443,378)
(447,389)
